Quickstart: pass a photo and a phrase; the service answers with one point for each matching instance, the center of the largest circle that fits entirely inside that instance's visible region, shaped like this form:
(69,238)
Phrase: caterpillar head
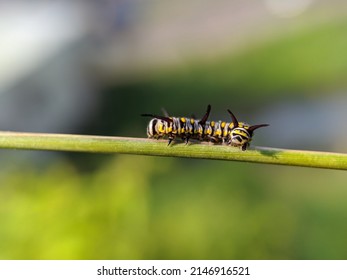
(241,134)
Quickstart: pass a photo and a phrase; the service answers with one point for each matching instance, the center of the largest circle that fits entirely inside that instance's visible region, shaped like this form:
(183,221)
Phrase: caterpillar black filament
(232,133)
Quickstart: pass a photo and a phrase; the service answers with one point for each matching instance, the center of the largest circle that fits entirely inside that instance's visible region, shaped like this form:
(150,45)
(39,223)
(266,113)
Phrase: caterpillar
(234,133)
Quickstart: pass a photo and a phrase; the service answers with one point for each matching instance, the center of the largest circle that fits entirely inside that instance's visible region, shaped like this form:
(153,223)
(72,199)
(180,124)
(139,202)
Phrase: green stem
(139,146)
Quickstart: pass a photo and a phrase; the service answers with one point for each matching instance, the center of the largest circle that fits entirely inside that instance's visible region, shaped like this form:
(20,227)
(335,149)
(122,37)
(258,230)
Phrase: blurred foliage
(301,64)
(310,60)
(155,208)
(132,207)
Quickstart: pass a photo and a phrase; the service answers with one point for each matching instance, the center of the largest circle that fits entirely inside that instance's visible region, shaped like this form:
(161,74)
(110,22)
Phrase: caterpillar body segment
(232,133)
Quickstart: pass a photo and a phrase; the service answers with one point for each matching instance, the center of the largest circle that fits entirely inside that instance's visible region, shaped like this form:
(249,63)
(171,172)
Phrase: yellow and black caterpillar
(232,133)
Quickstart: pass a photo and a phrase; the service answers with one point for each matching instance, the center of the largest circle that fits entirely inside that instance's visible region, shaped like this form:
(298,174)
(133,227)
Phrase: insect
(234,133)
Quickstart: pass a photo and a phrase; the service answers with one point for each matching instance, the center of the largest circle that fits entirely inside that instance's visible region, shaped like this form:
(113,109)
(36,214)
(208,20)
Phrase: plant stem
(140,146)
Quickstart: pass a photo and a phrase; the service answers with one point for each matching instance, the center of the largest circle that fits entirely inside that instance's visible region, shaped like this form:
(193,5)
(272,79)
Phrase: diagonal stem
(140,146)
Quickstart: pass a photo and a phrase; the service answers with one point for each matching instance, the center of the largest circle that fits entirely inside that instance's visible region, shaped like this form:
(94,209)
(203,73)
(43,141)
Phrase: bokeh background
(92,67)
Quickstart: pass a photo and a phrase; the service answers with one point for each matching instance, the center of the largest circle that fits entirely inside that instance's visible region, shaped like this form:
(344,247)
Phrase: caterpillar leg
(245,146)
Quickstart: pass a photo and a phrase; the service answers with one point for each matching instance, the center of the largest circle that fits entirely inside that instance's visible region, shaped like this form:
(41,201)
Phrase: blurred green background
(93,68)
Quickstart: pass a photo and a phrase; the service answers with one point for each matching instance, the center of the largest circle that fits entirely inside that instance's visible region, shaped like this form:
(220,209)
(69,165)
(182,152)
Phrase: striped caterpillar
(232,133)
